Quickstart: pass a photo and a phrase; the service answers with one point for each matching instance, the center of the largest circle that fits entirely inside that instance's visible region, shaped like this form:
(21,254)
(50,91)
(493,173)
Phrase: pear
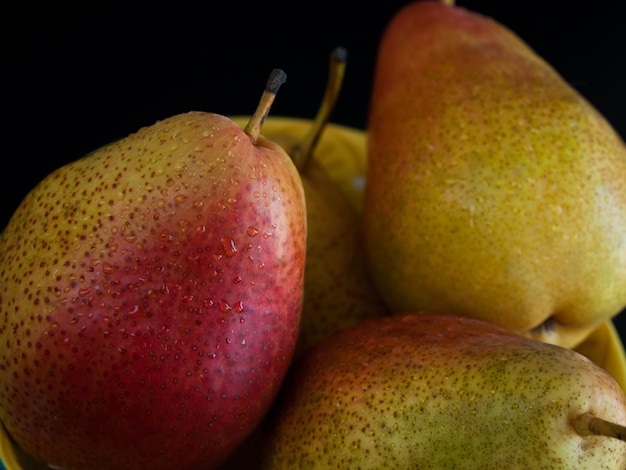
(338,290)
(494,189)
(427,390)
(151,296)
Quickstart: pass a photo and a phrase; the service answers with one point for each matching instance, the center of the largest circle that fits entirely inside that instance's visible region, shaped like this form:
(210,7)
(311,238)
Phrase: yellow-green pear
(433,391)
(338,290)
(494,189)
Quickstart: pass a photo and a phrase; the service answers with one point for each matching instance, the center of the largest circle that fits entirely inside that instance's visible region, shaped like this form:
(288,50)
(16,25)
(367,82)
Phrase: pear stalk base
(590,425)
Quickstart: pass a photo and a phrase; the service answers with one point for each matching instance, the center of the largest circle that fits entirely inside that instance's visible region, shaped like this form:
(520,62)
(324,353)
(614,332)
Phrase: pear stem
(587,424)
(253,128)
(302,152)
(450,3)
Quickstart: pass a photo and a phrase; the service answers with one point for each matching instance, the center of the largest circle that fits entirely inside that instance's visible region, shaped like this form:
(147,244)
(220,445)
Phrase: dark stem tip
(340,54)
(276,79)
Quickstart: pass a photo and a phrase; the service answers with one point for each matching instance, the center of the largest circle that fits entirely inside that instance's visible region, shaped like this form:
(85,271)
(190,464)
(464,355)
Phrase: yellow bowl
(342,151)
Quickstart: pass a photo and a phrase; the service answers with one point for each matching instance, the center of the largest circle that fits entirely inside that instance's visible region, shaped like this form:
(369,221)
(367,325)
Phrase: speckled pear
(435,391)
(338,289)
(494,189)
(150,296)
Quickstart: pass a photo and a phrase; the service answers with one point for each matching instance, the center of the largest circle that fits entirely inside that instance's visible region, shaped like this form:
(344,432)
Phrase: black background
(75,79)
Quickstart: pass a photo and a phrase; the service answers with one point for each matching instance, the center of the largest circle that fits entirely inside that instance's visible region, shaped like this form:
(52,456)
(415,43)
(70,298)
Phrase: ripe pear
(425,390)
(151,296)
(338,290)
(494,189)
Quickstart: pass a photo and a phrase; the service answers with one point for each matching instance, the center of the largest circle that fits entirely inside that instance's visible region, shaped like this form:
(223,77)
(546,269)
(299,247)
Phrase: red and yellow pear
(151,295)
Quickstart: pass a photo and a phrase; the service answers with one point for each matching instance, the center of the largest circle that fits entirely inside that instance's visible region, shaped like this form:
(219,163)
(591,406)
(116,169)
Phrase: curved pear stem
(587,424)
(253,128)
(302,153)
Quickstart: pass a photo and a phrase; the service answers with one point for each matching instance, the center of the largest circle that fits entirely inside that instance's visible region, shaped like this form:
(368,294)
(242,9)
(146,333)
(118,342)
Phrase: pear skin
(429,390)
(151,297)
(494,189)
(338,291)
